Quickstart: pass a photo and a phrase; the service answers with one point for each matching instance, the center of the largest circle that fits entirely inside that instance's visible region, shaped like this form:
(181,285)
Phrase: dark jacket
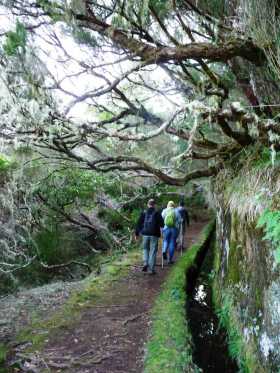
(184,215)
(157,223)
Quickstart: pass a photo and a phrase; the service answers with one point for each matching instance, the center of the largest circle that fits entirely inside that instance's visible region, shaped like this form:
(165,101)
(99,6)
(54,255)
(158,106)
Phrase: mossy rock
(234,264)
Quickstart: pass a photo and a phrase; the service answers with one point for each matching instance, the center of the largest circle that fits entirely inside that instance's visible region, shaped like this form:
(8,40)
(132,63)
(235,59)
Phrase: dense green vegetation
(71,217)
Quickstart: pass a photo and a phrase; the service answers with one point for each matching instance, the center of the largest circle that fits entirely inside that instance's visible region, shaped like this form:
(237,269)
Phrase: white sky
(51,55)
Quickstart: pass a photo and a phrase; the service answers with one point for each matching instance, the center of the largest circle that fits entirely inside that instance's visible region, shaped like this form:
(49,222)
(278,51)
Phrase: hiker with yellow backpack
(172,220)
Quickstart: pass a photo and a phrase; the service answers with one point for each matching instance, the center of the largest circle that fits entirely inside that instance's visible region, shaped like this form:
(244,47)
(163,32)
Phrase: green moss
(244,352)
(169,348)
(233,271)
(5,164)
(258,298)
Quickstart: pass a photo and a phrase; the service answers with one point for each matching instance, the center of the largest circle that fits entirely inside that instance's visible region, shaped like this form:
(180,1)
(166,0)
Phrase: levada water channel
(210,352)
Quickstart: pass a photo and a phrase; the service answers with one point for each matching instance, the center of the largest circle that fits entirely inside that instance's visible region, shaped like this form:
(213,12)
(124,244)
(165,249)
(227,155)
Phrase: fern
(15,40)
(270,222)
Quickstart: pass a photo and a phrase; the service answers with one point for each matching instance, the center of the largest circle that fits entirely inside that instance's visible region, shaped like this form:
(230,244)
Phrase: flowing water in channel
(210,351)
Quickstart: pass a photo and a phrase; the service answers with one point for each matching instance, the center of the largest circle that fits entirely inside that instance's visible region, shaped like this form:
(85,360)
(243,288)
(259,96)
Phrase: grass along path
(101,329)
(170,345)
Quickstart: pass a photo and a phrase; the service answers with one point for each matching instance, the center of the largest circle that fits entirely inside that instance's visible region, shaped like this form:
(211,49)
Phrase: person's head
(182,203)
(170,204)
(151,203)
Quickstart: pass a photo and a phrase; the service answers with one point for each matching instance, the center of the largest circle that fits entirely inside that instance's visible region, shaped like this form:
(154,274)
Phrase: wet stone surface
(210,352)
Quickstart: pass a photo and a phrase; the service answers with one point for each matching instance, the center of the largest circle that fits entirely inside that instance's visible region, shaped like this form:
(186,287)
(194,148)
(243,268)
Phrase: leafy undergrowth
(169,348)
(269,221)
(39,331)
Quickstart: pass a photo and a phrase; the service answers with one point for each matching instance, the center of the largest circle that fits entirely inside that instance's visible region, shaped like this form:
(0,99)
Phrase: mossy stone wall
(245,271)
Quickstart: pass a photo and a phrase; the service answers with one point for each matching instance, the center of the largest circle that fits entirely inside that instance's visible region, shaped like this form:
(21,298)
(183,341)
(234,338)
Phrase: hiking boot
(152,272)
(170,262)
(164,255)
(145,268)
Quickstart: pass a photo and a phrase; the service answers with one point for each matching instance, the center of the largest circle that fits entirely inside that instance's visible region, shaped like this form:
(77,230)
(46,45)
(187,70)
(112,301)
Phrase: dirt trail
(110,337)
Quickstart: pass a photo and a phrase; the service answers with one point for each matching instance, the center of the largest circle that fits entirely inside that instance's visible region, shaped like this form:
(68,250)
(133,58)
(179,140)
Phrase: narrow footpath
(110,336)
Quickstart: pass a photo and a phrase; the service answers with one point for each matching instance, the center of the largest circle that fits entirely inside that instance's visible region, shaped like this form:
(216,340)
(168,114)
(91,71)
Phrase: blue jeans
(150,246)
(169,241)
